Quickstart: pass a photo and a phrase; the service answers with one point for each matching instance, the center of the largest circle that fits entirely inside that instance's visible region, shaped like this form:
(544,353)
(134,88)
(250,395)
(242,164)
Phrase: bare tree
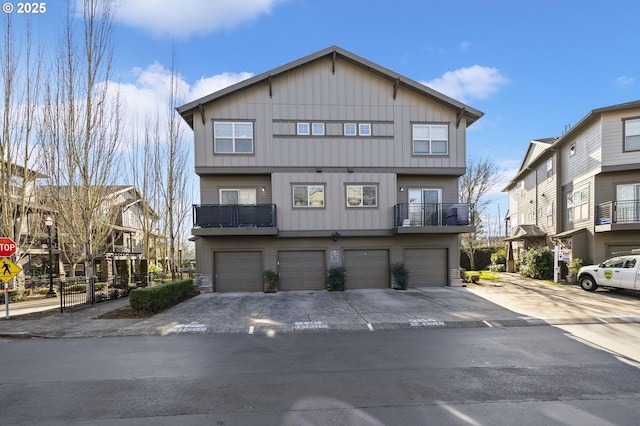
(481,177)
(19,209)
(171,168)
(82,132)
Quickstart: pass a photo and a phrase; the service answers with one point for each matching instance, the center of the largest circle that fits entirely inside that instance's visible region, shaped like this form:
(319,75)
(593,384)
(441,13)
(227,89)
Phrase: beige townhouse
(581,191)
(330,160)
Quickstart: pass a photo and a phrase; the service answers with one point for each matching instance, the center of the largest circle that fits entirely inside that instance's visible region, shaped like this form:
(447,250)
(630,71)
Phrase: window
(362,195)
(578,205)
(317,129)
(303,128)
(233,138)
(349,129)
(308,196)
(628,202)
(238,196)
(549,168)
(550,215)
(430,139)
(572,150)
(364,129)
(632,135)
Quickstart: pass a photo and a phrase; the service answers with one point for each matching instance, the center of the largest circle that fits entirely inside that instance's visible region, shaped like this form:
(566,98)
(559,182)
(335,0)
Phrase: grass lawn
(486,275)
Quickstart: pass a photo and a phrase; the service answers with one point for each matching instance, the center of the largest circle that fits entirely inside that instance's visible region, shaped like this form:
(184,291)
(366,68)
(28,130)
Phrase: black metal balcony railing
(234,216)
(618,212)
(432,214)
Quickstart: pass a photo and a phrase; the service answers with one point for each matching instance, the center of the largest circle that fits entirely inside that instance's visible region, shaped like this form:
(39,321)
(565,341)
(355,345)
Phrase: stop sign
(7,247)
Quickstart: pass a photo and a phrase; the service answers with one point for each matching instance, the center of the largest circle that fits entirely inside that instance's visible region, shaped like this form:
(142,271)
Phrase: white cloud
(464,45)
(624,81)
(465,84)
(148,96)
(184,18)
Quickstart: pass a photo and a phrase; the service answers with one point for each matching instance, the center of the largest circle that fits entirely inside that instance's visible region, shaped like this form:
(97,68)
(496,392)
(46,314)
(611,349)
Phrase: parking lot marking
(251,330)
(487,323)
(603,321)
(370,326)
(309,325)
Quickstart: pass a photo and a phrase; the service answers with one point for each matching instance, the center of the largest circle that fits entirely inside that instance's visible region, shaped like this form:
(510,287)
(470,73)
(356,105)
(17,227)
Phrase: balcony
(411,218)
(618,216)
(235,219)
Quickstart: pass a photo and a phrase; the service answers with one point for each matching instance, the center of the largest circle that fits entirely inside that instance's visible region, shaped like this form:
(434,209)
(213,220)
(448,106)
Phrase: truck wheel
(588,283)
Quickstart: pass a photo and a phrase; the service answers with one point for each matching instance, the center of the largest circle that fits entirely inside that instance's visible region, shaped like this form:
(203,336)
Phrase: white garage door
(238,271)
(367,268)
(302,270)
(427,267)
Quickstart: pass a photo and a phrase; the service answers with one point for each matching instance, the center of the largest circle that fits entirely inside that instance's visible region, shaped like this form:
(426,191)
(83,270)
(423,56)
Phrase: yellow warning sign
(8,269)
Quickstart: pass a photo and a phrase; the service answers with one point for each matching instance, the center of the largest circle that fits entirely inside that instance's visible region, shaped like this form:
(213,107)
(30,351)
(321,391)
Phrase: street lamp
(49,223)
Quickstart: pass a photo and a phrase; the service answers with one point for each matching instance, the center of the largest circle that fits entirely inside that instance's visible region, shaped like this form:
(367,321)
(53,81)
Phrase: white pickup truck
(617,272)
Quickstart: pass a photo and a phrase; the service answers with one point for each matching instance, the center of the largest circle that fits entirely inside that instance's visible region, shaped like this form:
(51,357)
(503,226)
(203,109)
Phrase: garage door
(427,267)
(238,271)
(367,268)
(302,270)
(620,250)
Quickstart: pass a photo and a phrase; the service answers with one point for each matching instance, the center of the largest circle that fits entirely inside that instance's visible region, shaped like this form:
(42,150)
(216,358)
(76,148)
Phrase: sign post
(8,269)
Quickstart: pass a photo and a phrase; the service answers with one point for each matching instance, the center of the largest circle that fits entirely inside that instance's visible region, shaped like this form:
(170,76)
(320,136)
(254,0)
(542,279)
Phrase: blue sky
(533,67)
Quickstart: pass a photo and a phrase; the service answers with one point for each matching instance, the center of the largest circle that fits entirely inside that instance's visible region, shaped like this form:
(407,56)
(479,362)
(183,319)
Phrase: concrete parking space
(510,301)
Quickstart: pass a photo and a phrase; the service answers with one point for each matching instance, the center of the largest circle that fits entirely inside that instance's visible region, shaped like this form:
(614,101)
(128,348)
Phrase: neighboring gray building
(329,160)
(582,190)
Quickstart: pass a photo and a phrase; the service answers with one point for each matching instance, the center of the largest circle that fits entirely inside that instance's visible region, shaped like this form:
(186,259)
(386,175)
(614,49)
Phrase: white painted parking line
(487,323)
(251,330)
(603,321)
(370,326)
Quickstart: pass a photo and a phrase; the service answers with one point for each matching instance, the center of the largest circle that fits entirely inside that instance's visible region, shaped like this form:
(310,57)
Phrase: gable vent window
(350,129)
(303,128)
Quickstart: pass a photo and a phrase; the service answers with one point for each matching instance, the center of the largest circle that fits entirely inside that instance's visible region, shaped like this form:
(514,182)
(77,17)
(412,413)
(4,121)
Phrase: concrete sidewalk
(511,301)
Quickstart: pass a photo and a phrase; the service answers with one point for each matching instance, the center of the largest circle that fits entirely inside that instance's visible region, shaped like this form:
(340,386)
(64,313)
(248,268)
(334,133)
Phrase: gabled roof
(187,111)
(568,136)
(535,151)
(524,232)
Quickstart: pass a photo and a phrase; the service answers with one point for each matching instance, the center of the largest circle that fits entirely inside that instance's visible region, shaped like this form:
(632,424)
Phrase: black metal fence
(87,291)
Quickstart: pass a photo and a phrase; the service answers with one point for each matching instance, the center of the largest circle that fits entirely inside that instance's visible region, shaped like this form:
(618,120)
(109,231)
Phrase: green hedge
(154,299)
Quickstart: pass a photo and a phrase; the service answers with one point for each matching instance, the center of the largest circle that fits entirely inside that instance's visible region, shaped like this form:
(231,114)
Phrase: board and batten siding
(335,215)
(313,93)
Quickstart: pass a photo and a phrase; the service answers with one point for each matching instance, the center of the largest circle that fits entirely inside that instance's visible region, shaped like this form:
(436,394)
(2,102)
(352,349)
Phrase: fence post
(61,293)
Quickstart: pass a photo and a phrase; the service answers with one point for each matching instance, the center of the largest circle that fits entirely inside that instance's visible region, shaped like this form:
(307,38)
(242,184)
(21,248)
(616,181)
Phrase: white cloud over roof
(184,18)
(465,84)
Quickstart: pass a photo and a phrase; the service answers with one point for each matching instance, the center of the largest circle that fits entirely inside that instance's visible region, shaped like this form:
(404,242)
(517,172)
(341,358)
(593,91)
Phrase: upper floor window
(233,137)
(364,129)
(572,150)
(430,139)
(317,129)
(362,195)
(245,196)
(549,167)
(303,128)
(632,135)
(350,129)
(578,205)
(308,196)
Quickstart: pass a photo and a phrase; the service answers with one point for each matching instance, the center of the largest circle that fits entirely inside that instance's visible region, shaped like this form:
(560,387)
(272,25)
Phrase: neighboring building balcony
(234,219)
(425,218)
(618,216)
